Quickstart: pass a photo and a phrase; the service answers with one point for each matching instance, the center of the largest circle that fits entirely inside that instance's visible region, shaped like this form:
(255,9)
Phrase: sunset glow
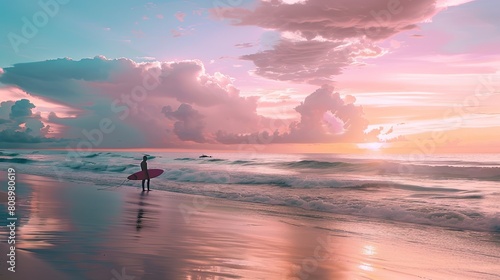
(387,82)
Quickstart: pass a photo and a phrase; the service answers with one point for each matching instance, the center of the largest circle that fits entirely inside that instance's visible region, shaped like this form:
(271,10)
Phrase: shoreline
(439,219)
(88,234)
(442,197)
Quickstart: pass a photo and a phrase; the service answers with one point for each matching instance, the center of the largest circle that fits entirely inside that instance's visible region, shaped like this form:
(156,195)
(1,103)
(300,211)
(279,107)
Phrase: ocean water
(460,192)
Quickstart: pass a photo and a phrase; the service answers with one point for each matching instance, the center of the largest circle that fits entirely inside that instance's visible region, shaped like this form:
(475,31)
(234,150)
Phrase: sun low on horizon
(319,76)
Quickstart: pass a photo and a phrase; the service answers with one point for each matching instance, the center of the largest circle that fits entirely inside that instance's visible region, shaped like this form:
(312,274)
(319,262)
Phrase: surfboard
(141,175)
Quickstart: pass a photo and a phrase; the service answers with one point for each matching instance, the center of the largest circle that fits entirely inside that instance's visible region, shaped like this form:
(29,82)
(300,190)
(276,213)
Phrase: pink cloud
(244,45)
(180,16)
(314,62)
(324,118)
(324,101)
(159,16)
(450,3)
(322,37)
(174,104)
(179,32)
(176,33)
(375,19)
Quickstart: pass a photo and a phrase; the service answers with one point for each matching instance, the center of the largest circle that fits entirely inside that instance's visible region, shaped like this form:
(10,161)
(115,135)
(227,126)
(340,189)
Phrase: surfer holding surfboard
(144,168)
(145,173)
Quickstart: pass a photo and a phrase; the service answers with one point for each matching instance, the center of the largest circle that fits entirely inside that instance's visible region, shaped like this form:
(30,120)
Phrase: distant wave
(118,155)
(201,160)
(472,196)
(90,166)
(398,168)
(215,160)
(185,159)
(194,175)
(149,157)
(446,171)
(314,164)
(8,154)
(17,160)
(93,155)
(243,162)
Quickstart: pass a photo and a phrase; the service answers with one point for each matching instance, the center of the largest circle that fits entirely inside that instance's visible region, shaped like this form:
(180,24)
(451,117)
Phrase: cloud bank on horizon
(179,103)
(164,104)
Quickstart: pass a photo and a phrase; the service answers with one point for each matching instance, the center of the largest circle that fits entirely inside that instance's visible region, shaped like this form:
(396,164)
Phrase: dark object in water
(204,156)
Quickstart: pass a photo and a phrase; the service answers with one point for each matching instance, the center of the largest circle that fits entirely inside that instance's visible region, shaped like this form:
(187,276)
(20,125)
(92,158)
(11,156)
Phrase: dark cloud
(60,80)
(21,109)
(189,123)
(12,136)
(62,69)
(20,113)
(5,108)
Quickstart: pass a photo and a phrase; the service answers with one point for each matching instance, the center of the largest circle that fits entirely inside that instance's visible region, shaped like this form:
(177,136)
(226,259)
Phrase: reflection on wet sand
(92,234)
(233,242)
(61,222)
(44,221)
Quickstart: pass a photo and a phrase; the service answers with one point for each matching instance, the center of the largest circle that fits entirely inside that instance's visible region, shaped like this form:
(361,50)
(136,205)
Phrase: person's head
(144,158)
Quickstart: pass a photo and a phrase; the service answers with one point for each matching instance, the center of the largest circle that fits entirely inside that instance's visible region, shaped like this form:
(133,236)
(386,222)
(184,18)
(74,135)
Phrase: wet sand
(75,231)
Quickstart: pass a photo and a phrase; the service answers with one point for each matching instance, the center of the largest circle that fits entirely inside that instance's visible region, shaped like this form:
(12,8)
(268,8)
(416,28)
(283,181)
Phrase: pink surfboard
(141,175)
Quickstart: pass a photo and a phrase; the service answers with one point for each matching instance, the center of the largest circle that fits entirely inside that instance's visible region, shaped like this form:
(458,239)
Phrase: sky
(325,76)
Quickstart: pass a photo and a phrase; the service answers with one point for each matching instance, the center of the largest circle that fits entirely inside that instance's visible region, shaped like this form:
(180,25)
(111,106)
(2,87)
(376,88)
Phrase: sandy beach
(76,231)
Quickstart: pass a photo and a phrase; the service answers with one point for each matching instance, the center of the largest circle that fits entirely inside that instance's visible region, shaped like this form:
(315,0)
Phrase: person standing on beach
(144,167)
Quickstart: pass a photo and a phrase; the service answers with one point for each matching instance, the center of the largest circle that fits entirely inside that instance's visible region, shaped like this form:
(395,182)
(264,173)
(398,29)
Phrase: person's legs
(148,184)
(143,184)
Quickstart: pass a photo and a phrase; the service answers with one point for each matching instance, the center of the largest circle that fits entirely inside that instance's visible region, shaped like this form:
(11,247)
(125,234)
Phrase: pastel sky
(344,76)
